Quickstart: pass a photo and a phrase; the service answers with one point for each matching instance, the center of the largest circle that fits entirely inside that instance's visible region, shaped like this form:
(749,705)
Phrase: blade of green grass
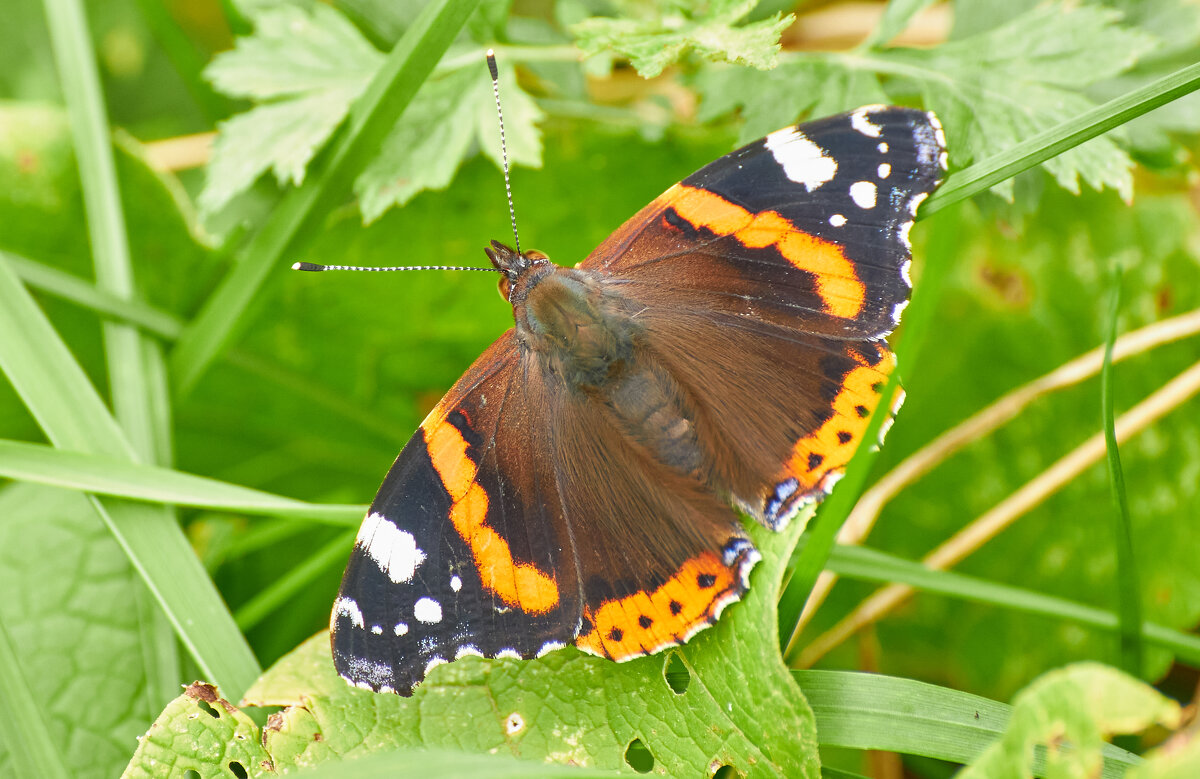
(819,540)
(107,475)
(66,406)
(1129,606)
(279,592)
(135,368)
(183,55)
(371,119)
(872,565)
(871,711)
(31,749)
(162,324)
(1037,149)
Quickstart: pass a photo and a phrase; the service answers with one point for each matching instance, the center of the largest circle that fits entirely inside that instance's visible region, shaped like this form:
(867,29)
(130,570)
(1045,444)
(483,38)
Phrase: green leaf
(81,625)
(896,17)
(1179,758)
(449,114)
(110,476)
(199,732)
(1070,712)
(738,707)
(311,63)
(655,35)
(871,711)
(371,120)
(998,87)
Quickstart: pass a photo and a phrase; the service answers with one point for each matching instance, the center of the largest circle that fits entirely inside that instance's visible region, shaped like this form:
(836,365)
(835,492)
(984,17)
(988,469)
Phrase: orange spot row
(645,622)
(519,586)
(842,292)
(830,446)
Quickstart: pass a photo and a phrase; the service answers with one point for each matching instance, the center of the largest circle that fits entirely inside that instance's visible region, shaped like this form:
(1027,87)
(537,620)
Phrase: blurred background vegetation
(325,377)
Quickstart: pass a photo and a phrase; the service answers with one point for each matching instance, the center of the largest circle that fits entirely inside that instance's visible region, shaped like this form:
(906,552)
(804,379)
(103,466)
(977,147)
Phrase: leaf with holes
(725,698)
(200,733)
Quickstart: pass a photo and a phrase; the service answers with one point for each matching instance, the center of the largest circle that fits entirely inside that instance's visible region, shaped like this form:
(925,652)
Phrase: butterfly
(720,352)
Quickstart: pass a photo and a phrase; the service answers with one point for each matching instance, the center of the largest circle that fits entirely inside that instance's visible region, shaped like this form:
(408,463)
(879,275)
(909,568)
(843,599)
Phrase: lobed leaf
(654,36)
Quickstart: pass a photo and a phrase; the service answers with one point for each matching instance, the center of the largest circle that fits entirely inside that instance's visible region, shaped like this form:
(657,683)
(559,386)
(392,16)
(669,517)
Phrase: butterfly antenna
(512,214)
(313,266)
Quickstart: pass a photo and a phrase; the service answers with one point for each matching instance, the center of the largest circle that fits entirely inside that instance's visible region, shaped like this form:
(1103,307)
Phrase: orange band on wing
(519,586)
(839,286)
(830,447)
(644,622)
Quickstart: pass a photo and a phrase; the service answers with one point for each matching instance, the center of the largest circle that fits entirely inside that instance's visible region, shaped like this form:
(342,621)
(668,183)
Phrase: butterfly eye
(505,285)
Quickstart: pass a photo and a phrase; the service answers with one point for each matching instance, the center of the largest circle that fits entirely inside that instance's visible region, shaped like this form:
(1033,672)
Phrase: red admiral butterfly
(723,348)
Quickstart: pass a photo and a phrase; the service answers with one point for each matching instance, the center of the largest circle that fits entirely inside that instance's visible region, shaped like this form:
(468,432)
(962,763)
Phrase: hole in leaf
(638,757)
(727,772)
(205,706)
(677,675)
(238,770)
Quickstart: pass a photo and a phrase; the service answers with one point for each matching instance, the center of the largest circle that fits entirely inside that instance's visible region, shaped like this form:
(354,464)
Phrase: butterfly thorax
(585,336)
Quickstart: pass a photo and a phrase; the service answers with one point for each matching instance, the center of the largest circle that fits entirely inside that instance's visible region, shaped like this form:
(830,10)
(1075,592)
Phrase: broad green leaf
(738,705)
(200,733)
(310,64)
(995,88)
(450,114)
(1070,712)
(655,35)
(82,625)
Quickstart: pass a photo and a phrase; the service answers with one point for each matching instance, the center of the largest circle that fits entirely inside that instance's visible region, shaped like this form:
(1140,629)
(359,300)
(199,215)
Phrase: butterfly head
(513,265)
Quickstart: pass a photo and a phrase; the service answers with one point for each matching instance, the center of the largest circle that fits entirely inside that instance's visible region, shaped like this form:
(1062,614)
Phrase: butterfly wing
(518,520)
(769,277)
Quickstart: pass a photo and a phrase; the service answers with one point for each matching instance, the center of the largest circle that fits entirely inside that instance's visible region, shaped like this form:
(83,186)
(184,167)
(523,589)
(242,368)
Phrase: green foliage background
(310,389)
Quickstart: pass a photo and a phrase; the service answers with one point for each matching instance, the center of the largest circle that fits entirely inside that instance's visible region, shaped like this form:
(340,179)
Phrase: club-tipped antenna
(512,214)
(313,266)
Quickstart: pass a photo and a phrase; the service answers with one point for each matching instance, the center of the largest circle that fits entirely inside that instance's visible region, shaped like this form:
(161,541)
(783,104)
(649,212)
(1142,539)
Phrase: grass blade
(871,711)
(155,484)
(819,540)
(1033,151)
(281,591)
(1129,606)
(134,365)
(371,119)
(67,407)
(872,565)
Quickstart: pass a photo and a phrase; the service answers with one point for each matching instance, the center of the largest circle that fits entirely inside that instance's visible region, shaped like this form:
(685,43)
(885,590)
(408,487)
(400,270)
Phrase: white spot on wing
(434,663)
(883,147)
(837,220)
(467,650)
(348,607)
(860,121)
(427,610)
(377,630)
(394,550)
(802,161)
(455,583)
(885,170)
(509,653)
(400,629)
(902,233)
(550,646)
(905,267)
(863,194)
(917,200)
